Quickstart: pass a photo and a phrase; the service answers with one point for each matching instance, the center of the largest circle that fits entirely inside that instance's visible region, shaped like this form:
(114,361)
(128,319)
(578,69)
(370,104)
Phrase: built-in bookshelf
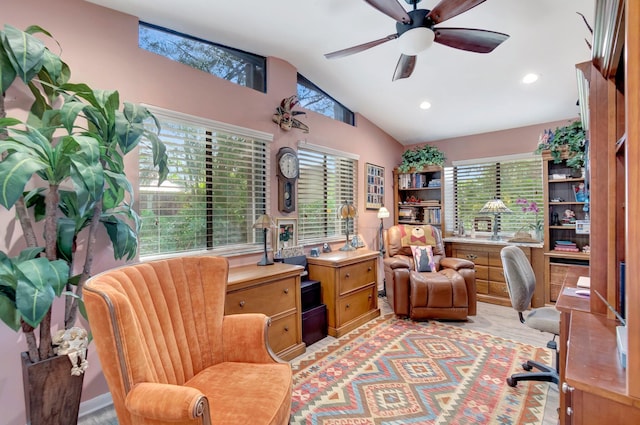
(418,196)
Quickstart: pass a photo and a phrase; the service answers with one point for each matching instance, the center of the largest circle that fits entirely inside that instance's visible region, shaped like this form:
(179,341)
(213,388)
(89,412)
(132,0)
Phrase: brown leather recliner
(457,302)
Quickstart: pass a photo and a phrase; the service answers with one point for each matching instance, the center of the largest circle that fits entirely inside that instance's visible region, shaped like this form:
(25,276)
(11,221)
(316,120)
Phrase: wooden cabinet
(563,191)
(349,287)
(418,196)
(490,283)
(275,291)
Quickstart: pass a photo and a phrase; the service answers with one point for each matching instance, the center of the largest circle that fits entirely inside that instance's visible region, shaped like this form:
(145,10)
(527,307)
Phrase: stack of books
(434,183)
(566,246)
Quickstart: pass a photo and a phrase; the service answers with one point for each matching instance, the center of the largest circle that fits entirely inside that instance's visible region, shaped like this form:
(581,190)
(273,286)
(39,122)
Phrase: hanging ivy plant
(420,157)
(570,138)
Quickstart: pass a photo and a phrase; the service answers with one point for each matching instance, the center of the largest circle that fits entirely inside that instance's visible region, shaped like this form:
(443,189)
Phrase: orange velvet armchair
(170,355)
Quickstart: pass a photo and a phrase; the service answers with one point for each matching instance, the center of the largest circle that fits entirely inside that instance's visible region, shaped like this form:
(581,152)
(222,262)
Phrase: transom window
(237,66)
(217,186)
(327,180)
(313,98)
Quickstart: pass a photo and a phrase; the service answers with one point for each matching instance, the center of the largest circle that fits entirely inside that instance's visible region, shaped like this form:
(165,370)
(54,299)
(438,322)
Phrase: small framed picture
(286,233)
(583,227)
(375,187)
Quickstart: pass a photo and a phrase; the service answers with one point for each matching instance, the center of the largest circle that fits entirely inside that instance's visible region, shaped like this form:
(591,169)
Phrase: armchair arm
(245,339)
(397,262)
(456,263)
(167,403)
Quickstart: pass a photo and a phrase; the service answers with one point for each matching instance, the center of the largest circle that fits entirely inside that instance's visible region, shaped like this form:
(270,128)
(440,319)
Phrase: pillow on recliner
(423,258)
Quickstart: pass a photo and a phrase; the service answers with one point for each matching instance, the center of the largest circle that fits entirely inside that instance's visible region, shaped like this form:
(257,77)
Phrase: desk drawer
(499,289)
(478,257)
(270,299)
(356,304)
(496,274)
(356,276)
(283,333)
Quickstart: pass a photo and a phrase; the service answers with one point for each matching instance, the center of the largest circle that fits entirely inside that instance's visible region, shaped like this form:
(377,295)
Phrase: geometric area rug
(392,371)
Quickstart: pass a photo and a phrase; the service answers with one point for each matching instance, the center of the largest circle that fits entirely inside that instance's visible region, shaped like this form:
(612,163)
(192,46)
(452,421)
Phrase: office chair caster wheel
(527,367)
(511,382)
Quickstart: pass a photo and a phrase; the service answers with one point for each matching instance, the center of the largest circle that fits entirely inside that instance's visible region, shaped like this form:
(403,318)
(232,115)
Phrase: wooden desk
(593,383)
(349,287)
(275,291)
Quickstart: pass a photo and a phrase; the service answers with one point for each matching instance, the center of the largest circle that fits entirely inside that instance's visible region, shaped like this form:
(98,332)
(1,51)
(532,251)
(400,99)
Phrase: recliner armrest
(456,263)
(397,262)
(166,402)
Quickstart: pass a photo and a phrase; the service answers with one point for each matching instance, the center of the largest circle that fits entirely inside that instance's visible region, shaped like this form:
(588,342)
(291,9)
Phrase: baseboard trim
(90,406)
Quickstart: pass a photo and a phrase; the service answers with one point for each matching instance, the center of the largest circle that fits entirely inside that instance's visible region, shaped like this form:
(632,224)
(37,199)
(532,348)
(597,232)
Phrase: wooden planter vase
(51,393)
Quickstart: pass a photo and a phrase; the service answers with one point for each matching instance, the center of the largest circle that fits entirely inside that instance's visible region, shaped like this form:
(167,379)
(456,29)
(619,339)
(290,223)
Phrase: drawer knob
(286,290)
(471,256)
(566,388)
(348,306)
(347,275)
(241,304)
(369,269)
(286,328)
(370,296)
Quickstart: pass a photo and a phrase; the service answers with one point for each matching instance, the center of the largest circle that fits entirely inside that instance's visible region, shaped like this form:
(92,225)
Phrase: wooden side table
(275,291)
(349,287)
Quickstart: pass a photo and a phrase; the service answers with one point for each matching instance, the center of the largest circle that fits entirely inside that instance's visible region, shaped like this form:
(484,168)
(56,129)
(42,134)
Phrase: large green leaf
(69,113)
(66,237)
(8,312)
(34,293)
(122,237)
(87,177)
(24,51)
(7,73)
(15,171)
(128,133)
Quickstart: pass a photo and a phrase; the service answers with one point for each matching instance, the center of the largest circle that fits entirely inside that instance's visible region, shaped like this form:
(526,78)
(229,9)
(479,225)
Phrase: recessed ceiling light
(530,78)
(425,105)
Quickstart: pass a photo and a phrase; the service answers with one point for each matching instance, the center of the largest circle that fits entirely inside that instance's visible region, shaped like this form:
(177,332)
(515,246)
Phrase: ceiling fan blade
(447,9)
(472,40)
(405,67)
(391,8)
(359,48)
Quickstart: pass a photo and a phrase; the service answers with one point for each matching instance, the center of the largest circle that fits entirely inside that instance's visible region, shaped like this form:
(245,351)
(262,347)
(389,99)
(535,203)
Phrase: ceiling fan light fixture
(416,40)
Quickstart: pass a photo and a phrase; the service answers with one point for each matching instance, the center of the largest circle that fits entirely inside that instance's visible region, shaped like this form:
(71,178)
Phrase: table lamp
(347,211)
(264,222)
(495,207)
(382,214)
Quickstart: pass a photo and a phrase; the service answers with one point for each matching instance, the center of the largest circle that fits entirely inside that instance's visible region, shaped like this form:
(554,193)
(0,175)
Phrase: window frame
(349,116)
(333,229)
(261,144)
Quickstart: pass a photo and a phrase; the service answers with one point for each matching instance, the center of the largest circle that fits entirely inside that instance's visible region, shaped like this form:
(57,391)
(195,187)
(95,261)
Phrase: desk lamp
(347,211)
(264,222)
(382,214)
(495,207)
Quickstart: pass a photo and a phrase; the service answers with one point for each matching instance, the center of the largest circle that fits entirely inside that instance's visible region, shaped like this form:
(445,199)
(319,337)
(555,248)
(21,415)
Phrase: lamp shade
(495,206)
(383,212)
(415,40)
(347,210)
(263,222)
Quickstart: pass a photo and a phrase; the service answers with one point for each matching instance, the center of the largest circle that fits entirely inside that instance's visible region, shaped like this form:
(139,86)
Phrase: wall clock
(287,171)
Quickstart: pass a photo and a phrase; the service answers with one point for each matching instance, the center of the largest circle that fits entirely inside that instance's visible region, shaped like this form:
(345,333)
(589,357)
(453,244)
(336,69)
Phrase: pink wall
(100,46)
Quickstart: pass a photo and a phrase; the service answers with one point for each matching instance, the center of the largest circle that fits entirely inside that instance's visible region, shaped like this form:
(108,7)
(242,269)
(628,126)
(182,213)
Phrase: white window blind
(327,180)
(469,186)
(216,187)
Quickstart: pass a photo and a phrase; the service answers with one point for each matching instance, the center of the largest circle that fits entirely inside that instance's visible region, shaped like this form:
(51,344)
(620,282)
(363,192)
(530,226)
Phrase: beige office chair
(521,283)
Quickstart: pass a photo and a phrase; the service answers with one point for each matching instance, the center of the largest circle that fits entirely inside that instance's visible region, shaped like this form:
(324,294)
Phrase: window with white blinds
(217,185)
(469,186)
(327,180)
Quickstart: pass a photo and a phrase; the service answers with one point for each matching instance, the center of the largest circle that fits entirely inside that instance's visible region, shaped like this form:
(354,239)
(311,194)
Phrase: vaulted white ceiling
(470,93)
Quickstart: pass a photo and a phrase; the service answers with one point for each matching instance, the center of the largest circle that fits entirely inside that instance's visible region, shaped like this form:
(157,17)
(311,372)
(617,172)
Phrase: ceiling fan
(415,31)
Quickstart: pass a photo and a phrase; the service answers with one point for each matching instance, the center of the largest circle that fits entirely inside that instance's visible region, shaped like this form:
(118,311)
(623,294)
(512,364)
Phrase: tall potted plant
(64,165)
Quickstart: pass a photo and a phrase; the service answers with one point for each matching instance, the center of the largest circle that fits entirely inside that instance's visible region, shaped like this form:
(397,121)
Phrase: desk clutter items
(566,246)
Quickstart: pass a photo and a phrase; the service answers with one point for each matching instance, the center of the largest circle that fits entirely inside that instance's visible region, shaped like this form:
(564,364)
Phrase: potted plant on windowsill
(64,166)
(421,157)
(567,142)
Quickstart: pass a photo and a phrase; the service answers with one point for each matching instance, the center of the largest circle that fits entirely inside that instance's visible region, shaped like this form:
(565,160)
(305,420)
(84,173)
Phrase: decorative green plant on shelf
(420,157)
(570,138)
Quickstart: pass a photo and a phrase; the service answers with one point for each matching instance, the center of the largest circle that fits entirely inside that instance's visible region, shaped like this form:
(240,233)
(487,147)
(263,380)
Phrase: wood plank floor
(494,319)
